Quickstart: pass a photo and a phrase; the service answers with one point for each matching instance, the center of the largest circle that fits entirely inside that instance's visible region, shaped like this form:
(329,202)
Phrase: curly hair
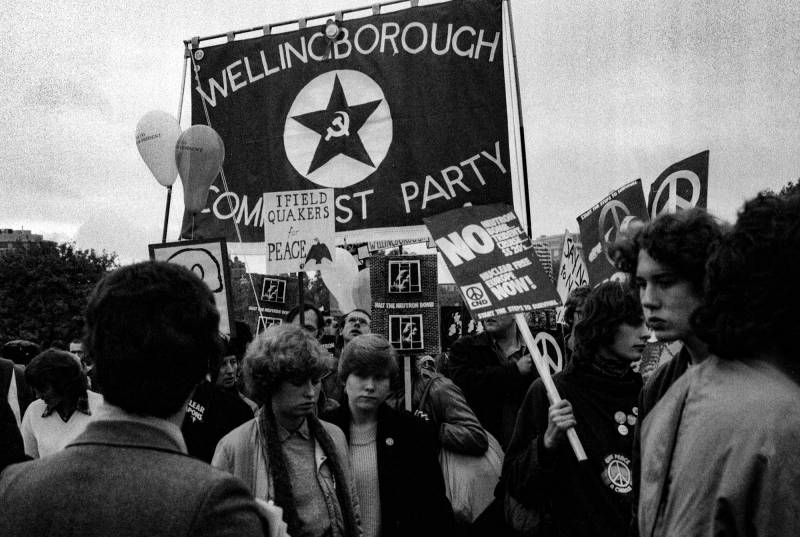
(59,370)
(608,306)
(369,355)
(574,301)
(751,290)
(284,352)
(680,241)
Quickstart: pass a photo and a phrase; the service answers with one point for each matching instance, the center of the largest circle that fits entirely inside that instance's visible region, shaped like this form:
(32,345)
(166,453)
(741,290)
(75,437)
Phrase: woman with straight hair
(285,453)
(393,453)
(65,405)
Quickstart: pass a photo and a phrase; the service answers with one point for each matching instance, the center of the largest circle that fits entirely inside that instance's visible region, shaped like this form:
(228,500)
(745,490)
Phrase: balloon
(199,153)
(362,294)
(340,278)
(156,135)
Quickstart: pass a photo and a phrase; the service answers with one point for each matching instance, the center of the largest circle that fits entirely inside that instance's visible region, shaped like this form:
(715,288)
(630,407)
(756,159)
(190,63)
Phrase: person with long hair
(599,390)
(393,453)
(286,453)
(720,451)
(65,405)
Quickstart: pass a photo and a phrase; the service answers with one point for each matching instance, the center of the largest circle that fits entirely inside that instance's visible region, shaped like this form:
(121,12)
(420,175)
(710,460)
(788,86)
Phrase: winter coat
(412,492)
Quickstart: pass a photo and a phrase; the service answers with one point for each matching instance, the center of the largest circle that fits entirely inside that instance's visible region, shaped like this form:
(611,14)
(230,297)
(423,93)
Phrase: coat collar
(114,427)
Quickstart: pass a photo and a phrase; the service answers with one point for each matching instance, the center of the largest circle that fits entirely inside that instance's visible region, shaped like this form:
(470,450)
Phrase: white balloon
(156,135)
(340,278)
(362,294)
(198,153)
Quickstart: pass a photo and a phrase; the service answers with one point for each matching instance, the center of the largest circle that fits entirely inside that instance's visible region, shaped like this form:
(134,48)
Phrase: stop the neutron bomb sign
(492,260)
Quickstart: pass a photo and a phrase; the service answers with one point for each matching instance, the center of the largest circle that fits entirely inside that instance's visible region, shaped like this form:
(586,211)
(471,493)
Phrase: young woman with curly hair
(285,453)
(599,390)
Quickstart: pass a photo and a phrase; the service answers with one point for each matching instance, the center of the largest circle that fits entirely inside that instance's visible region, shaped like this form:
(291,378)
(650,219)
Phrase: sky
(610,92)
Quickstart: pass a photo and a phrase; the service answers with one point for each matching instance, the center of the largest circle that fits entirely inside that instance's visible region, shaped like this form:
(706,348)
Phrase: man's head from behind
(152,329)
(667,260)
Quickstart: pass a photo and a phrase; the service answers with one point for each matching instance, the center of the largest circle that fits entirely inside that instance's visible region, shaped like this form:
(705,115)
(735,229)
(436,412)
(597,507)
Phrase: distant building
(11,238)
(555,243)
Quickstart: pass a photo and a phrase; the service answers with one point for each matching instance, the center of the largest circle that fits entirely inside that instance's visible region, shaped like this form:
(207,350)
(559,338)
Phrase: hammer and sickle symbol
(340,126)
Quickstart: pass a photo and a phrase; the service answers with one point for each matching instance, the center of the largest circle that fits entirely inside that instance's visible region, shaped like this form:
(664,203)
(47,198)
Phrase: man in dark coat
(494,370)
(152,330)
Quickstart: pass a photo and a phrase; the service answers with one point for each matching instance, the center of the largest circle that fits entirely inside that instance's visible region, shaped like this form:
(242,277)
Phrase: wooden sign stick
(544,373)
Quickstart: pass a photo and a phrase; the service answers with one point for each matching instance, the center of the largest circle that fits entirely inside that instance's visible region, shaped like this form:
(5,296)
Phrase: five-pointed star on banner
(338,127)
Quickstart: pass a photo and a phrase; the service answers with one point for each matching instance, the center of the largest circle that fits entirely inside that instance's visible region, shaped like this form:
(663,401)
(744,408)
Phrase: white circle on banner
(338,108)
(674,201)
(608,231)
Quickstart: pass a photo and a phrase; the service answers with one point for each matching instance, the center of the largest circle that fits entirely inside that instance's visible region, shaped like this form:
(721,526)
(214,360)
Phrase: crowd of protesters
(154,424)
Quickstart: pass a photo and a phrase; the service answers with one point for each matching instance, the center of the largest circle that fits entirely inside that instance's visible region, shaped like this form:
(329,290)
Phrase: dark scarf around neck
(284,496)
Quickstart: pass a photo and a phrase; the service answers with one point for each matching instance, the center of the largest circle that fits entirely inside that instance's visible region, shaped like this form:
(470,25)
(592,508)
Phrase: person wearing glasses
(356,323)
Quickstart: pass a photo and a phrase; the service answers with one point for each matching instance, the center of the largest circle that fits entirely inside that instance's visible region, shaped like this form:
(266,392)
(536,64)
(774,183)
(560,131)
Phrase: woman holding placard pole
(600,391)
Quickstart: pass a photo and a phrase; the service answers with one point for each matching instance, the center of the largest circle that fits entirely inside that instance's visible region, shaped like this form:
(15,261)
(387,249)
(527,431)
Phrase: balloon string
(224,185)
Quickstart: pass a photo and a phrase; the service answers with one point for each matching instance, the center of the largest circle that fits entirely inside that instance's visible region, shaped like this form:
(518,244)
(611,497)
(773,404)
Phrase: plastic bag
(470,481)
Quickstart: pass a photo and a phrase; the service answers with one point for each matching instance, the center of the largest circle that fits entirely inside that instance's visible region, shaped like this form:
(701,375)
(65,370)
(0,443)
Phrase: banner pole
(300,295)
(544,374)
(526,187)
(166,214)
(180,109)
(407,381)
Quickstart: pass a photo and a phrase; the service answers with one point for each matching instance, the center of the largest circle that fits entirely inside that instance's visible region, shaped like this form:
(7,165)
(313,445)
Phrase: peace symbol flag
(600,226)
(681,186)
(403,115)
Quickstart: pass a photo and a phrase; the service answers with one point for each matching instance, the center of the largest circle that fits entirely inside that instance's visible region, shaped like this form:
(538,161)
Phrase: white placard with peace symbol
(550,351)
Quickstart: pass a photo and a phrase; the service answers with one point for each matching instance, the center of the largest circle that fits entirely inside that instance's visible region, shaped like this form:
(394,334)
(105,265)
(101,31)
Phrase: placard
(208,259)
(492,260)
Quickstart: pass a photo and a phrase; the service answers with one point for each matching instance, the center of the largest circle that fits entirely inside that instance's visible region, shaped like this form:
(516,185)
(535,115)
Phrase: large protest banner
(600,226)
(681,186)
(492,260)
(403,115)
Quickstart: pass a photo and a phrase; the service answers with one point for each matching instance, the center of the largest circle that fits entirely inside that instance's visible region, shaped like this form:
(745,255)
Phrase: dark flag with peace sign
(681,186)
(600,226)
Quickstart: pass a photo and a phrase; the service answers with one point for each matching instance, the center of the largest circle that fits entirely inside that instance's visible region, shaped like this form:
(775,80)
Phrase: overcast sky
(611,91)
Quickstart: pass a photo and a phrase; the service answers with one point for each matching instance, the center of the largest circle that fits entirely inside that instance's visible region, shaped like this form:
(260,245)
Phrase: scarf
(284,497)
